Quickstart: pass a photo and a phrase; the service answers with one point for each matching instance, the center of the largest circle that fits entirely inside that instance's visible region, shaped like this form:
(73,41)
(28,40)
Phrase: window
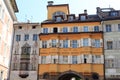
(74,59)
(20,27)
(35,37)
(33,27)
(18,37)
(70,18)
(65,59)
(65,43)
(74,43)
(58,13)
(109,44)
(26,37)
(109,63)
(97,43)
(65,29)
(24,66)
(45,30)
(43,59)
(114,13)
(54,43)
(96,28)
(1,75)
(119,27)
(85,42)
(108,28)
(14,66)
(75,29)
(85,28)
(82,18)
(44,44)
(58,19)
(26,50)
(55,30)
(85,58)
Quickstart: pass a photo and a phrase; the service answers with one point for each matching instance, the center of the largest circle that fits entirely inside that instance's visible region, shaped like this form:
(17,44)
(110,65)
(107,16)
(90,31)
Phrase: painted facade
(24,61)
(7,18)
(70,47)
(111,28)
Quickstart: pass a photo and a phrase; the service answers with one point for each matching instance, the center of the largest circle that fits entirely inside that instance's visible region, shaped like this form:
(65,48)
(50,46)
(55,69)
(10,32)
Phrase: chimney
(85,11)
(50,2)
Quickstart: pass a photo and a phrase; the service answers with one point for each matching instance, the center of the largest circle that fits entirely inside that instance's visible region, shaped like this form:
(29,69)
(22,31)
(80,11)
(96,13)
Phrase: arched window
(57,14)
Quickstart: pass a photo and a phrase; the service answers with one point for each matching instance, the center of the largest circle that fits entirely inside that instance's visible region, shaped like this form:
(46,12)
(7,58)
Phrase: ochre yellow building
(71,48)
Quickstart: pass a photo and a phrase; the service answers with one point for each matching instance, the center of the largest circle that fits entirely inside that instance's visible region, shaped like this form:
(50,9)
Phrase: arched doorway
(70,75)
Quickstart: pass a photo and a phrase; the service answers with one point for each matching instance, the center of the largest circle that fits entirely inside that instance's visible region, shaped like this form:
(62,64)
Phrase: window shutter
(39,59)
(79,59)
(40,44)
(102,59)
(93,42)
(112,27)
(114,44)
(68,29)
(69,59)
(78,43)
(49,59)
(59,30)
(50,43)
(41,30)
(90,59)
(81,42)
(69,43)
(82,58)
(79,29)
(118,44)
(105,44)
(57,43)
(101,42)
(49,30)
(89,41)
(61,60)
(56,57)
(61,43)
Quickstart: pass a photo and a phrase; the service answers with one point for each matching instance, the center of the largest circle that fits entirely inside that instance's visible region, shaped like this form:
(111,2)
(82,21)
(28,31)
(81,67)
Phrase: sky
(36,10)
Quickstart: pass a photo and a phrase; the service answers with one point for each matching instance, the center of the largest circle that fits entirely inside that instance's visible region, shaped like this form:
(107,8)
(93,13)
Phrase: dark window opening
(95,76)
(33,27)
(85,60)
(55,30)
(20,27)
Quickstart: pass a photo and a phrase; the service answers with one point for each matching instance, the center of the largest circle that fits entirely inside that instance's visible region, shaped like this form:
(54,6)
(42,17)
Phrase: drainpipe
(102,23)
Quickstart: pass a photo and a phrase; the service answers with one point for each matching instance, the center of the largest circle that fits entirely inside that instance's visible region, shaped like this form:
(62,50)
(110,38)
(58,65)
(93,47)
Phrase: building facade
(71,48)
(25,52)
(111,27)
(7,18)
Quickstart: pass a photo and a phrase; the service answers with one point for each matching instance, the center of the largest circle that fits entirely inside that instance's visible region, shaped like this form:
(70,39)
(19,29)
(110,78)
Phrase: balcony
(25,57)
(23,74)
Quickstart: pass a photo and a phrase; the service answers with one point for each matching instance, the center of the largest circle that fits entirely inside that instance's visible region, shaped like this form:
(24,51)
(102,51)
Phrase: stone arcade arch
(70,75)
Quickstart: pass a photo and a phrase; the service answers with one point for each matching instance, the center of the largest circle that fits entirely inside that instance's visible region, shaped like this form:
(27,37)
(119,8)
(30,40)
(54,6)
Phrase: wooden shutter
(61,43)
(79,59)
(40,44)
(90,59)
(81,42)
(78,43)
(79,29)
(49,30)
(105,44)
(57,44)
(82,58)
(102,59)
(89,41)
(59,30)
(50,43)
(61,59)
(68,29)
(101,42)
(49,59)
(69,43)
(69,59)
(39,59)
(41,30)
(93,43)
